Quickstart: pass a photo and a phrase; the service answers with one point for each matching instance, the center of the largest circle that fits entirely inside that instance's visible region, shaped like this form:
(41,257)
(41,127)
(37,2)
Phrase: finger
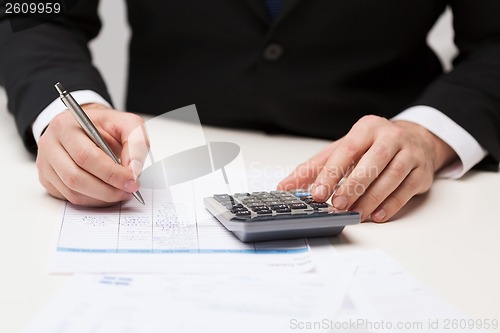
(59,190)
(389,180)
(128,129)
(346,154)
(80,199)
(46,175)
(88,157)
(55,186)
(369,167)
(135,150)
(412,185)
(305,174)
(78,185)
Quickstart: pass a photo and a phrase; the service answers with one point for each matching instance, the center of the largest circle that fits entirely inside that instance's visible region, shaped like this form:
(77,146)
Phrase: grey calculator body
(265,216)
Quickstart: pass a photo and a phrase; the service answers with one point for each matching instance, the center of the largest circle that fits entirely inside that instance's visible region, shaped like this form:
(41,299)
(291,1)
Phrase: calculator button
(279,206)
(317,205)
(237,205)
(222,197)
(297,206)
(278,192)
(283,210)
(239,209)
(255,204)
(292,201)
(239,195)
(264,211)
(242,213)
(271,203)
(251,201)
(258,208)
(300,194)
(266,199)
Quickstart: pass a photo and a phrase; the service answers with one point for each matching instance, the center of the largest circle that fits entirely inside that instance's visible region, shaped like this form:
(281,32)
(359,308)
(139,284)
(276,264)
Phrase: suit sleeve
(34,59)
(470,93)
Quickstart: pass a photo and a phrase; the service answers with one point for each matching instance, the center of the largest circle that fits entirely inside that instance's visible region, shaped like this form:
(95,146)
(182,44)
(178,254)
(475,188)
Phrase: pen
(89,127)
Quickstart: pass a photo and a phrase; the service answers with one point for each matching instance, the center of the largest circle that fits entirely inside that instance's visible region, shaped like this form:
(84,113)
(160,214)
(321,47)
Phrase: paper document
(173,232)
(191,303)
(385,297)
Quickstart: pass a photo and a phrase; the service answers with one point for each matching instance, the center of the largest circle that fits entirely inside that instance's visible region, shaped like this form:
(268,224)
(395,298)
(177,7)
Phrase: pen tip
(139,198)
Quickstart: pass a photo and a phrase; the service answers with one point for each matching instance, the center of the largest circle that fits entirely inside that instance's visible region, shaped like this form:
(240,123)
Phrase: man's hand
(390,162)
(72,167)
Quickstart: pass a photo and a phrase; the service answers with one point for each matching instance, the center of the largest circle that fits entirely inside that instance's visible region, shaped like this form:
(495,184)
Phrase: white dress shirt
(57,107)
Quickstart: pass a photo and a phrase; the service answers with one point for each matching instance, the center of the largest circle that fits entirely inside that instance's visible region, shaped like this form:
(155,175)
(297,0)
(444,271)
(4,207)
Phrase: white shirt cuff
(469,151)
(57,107)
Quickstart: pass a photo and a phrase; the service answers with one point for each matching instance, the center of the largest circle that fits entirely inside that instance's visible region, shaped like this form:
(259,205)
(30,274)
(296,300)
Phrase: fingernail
(136,167)
(320,192)
(131,186)
(340,202)
(379,215)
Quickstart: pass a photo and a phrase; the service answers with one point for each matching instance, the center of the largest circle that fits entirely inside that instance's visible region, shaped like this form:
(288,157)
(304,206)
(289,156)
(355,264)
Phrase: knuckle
(382,151)
(111,176)
(398,169)
(331,172)
(355,180)
(82,156)
(370,120)
(356,186)
(424,181)
(71,179)
(58,122)
(398,134)
(349,147)
(117,176)
(413,185)
(373,199)
(397,203)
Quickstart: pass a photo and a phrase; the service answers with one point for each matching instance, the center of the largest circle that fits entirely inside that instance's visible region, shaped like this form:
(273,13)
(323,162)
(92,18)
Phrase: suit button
(273,52)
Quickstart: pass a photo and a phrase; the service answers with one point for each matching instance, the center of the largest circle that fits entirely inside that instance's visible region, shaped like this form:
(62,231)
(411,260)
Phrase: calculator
(265,216)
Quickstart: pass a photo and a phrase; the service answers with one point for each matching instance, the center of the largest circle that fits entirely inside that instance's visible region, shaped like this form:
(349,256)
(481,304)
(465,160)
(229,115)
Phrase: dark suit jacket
(314,71)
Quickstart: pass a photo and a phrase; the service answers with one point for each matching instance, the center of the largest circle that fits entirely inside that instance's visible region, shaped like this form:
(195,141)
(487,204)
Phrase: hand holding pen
(72,167)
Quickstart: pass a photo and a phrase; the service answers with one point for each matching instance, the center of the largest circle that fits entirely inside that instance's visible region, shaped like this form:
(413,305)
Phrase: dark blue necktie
(273,7)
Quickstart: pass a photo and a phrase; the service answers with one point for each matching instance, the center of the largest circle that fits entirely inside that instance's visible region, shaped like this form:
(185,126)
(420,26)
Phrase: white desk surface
(448,239)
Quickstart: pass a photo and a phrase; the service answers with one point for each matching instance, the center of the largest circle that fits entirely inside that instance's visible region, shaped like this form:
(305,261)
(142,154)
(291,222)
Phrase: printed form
(173,232)
(191,303)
